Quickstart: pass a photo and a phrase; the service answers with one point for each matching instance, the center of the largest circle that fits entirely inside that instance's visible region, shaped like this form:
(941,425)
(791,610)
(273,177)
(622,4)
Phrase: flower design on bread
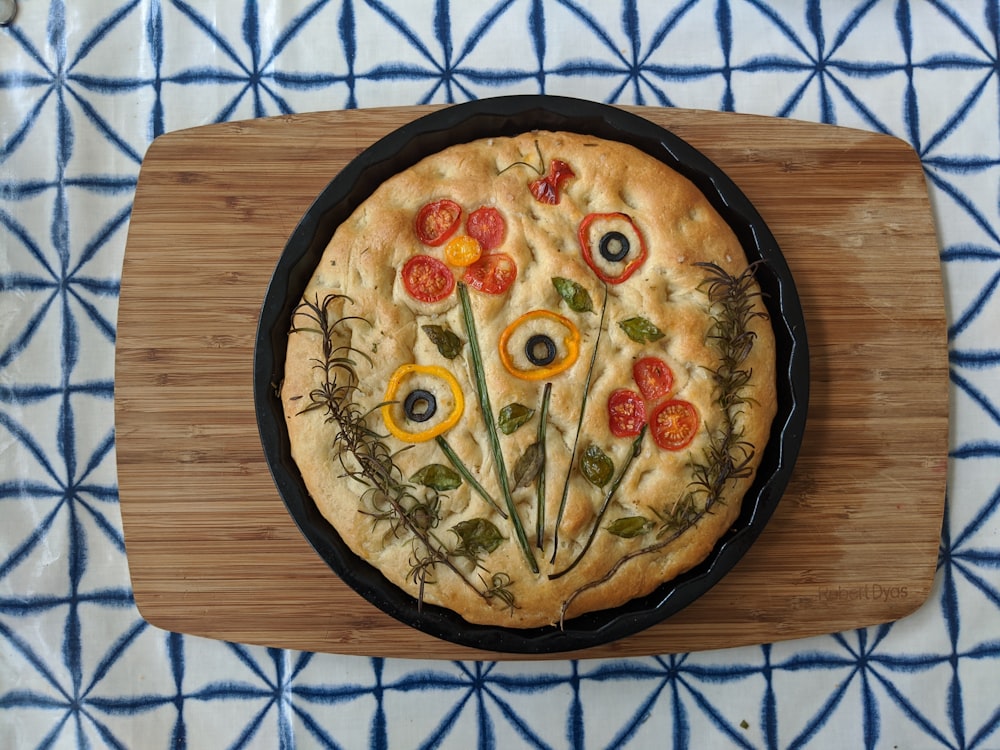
(530,378)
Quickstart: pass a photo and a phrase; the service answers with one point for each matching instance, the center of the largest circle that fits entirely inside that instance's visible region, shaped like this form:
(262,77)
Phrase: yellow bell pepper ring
(545,371)
(399,377)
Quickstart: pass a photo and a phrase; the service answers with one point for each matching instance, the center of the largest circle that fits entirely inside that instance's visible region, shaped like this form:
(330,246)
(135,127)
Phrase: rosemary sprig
(540,480)
(482,392)
(462,469)
(728,457)
(424,514)
(336,359)
(734,299)
(364,455)
(579,426)
(499,588)
(633,454)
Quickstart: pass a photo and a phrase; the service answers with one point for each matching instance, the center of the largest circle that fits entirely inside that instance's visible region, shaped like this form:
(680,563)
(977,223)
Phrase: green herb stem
(462,469)
(540,486)
(540,170)
(482,391)
(579,426)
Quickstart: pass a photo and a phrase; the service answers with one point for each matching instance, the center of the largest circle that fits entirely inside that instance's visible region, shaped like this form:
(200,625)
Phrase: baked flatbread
(531,377)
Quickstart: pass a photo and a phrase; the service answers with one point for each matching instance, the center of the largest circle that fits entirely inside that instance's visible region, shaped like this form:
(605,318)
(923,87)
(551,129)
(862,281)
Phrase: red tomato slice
(673,424)
(486,224)
(493,273)
(427,279)
(546,189)
(653,376)
(437,221)
(559,172)
(626,413)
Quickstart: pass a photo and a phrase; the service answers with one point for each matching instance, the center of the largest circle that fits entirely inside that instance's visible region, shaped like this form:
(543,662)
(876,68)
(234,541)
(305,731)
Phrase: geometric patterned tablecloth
(86,85)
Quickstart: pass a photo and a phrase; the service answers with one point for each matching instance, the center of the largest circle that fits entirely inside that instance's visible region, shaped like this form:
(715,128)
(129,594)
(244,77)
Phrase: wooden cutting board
(211,548)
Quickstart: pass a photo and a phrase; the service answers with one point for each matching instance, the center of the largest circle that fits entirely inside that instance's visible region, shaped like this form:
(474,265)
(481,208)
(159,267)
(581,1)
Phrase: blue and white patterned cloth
(86,85)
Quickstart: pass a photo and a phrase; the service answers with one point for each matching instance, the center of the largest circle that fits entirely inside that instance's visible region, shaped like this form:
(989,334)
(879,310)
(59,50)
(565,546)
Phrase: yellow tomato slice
(462,250)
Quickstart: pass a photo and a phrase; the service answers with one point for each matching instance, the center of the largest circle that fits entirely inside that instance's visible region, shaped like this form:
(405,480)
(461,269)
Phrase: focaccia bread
(531,377)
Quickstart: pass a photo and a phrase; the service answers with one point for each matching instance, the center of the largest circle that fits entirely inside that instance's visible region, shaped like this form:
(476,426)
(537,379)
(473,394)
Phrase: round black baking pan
(508,116)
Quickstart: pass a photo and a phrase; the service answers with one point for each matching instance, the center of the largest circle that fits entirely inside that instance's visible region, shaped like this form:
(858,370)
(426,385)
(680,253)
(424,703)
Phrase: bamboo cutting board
(211,548)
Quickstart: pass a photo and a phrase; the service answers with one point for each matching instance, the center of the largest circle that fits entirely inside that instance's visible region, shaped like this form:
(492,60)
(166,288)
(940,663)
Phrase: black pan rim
(510,115)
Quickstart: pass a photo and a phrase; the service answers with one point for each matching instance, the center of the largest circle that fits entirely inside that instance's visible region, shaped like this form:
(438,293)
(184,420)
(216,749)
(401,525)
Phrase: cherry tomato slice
(546,189)
(493,273)
(427,279)
(626,413)
(487,225)
(559,172)
(437,221)
(673,424)
(462,250)
(653,376)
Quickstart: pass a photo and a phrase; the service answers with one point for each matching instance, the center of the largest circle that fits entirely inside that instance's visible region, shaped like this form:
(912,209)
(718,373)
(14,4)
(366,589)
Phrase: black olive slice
(420,405)
(540,350)
(614,246)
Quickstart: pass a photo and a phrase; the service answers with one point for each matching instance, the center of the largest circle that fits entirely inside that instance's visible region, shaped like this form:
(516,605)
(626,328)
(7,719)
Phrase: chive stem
(491,429)
(462,469)
(540,513)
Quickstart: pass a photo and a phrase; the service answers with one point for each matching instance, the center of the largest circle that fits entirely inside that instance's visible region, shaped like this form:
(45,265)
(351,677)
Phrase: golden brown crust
(363,261)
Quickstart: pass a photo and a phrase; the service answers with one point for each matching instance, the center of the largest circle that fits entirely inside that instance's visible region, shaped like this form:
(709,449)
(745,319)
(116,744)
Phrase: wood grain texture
(211,548)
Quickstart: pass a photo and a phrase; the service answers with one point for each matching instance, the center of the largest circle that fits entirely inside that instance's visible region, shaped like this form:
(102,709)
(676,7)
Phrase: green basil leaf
(573,294)
(597,466)
(641,330)
(447,342)
(513,416)
(476,536)
(528,465)
(438,476)
(630,526)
